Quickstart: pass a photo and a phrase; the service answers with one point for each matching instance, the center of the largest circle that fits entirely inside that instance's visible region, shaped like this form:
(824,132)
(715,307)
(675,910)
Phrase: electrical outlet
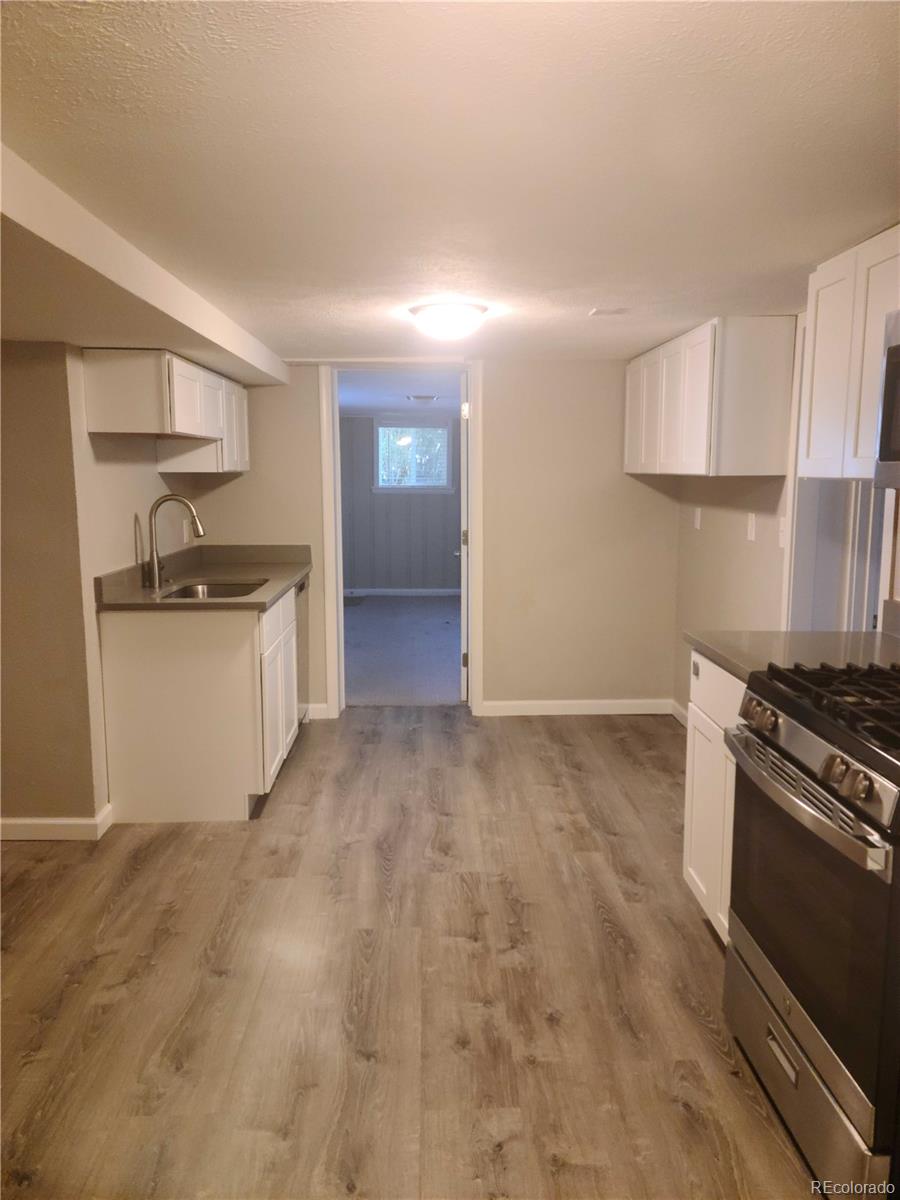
(186,531)
(751,527)
(698,513)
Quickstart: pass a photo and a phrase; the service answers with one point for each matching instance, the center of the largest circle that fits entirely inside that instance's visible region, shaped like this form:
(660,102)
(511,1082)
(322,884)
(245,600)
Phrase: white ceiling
(390,389)
(311,167)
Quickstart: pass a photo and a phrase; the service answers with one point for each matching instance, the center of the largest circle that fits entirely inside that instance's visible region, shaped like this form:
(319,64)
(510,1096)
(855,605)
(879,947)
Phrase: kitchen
(260,944)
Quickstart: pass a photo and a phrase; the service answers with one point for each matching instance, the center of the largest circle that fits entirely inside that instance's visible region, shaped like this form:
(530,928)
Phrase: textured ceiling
(389,389)
(311,167)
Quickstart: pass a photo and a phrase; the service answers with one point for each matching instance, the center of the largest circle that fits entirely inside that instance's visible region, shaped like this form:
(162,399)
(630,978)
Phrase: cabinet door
(213,396)
(290,711)
(877,294)
(633,421)
(272,712)
(671,412)
(650,388)
(229,451)
(704,811)
(186,413)
(242,429)
(826,368)
(698,351)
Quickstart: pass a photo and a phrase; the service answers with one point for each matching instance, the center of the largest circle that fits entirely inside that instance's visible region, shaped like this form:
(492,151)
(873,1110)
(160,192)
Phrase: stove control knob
(858,786)
(750,706)
(834,769)
(765,719)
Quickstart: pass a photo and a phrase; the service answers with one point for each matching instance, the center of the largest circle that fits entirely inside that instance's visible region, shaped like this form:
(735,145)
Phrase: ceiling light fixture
(448,320)
(607,312)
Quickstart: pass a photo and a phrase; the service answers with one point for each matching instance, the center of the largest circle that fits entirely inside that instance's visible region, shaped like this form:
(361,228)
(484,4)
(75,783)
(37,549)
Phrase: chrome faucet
(150,570)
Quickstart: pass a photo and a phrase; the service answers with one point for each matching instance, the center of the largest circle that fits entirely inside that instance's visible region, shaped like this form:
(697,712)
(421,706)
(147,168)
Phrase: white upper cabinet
(151,391)
(199,418)
(715,401)
(849,300)
(633,418)
(650,394)
(231,452)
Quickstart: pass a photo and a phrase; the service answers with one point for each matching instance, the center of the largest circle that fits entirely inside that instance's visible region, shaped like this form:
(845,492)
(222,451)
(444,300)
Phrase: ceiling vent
(422,401)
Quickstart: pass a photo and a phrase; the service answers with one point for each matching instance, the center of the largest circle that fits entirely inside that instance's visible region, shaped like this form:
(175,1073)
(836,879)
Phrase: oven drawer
(829,1142)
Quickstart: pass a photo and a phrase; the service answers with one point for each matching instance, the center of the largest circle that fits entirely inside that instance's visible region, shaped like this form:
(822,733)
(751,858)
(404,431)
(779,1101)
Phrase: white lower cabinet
(709,790)
(201,707)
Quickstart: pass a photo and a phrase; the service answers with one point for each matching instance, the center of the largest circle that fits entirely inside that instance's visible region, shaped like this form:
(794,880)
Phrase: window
(412,456)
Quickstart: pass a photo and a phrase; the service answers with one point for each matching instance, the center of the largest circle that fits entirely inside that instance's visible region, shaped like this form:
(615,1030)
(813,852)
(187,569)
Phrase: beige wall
(401,539)
(46,749)
(579,558)
(724,580)
(279,500)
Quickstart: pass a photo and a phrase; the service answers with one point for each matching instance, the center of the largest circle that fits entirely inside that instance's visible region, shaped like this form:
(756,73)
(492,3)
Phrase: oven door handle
(872,855)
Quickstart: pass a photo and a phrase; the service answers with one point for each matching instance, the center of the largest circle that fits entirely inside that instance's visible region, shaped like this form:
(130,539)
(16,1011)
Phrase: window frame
(414,421)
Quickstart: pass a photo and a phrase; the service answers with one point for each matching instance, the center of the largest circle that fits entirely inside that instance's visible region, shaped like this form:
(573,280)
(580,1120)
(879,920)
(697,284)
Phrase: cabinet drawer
(275,620)
(714,691)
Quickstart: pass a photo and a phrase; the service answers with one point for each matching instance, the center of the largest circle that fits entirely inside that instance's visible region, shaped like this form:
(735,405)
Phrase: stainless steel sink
(215,590)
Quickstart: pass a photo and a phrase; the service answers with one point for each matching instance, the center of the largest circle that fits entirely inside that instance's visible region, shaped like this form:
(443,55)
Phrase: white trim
(402,592)
(320,712)
(791,481)
(331,565)
(576,708)
(474,396)
(57,829)
(679,712)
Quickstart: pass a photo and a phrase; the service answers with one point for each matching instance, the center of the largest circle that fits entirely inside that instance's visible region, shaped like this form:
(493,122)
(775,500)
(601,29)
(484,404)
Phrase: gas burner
(863,700)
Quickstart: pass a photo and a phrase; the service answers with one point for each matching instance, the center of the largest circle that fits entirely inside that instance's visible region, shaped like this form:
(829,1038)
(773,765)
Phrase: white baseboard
(320,712)
(401,592)
(56,829)
(679,712)
(574,708)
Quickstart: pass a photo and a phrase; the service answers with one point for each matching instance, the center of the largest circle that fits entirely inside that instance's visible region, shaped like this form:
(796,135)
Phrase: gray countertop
(283,567)
(739,653)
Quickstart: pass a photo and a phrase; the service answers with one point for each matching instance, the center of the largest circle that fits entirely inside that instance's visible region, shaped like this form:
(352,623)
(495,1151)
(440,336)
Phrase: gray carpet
(402,649)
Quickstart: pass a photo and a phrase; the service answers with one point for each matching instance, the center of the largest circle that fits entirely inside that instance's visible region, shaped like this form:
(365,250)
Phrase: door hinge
(465,537)
(465,658)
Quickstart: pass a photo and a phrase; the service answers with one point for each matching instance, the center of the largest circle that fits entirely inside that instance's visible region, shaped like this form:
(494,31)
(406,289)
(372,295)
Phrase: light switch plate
(698,514)
(751,527)
(186,531)
(782,533)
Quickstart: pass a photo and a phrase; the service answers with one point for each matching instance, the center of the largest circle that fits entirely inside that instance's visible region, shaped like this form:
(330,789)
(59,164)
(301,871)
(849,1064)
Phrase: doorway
(402,488)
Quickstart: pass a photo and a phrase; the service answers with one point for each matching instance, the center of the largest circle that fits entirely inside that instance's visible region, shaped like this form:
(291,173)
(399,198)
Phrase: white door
(464,540)
(704,816)
(242,429)
(185,397)
(290,715)
(877,294)
(826,369)
(650,387)
(272,712)
(698,349)
(633,421)
(671,414)
(213,398)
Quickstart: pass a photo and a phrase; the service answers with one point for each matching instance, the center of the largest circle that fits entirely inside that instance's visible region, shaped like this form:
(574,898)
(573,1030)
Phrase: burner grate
(865,700)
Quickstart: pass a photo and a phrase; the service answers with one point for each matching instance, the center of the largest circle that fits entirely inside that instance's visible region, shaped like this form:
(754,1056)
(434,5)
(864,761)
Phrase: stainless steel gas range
(812,983)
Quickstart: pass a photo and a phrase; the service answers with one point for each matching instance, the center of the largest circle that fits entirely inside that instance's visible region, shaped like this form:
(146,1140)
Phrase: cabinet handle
(301,587)
(695,669)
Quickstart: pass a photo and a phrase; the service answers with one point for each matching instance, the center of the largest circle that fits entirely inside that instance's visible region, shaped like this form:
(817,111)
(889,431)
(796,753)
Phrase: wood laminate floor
(452,960)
